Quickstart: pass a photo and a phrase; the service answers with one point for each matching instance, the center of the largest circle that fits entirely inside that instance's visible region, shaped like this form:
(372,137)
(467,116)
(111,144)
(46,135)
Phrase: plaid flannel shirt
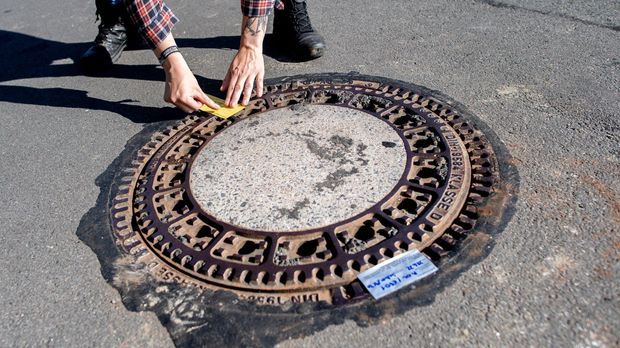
(154,19)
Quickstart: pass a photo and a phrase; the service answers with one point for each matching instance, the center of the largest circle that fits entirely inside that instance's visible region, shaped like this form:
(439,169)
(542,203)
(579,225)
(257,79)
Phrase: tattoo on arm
(255,25)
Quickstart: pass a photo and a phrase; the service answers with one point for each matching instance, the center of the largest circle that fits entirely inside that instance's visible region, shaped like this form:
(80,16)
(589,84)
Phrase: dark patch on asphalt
(339,140)
(499,4)
(195,317)
(388,144)
(297,107)
(360,150)
(294,212)
(335,179)
(338,150)
(325,152)
(310,134)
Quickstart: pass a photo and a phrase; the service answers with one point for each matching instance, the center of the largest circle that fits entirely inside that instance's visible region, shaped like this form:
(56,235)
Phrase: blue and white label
(396,273)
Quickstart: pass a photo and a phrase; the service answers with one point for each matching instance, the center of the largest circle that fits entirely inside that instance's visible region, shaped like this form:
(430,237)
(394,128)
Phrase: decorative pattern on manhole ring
(450,172)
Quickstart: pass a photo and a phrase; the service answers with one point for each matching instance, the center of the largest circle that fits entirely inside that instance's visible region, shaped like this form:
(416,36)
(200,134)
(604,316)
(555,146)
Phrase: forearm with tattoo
(253,32)
(256,25)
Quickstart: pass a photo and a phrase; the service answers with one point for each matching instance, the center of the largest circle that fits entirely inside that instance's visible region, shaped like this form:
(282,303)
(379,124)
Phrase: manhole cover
(311,184)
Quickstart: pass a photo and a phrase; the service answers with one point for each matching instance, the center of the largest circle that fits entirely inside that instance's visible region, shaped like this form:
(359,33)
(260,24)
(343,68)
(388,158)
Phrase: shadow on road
(28,57)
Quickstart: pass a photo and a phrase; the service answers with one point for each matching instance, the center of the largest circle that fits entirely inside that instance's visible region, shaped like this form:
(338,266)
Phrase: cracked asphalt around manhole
(543,75)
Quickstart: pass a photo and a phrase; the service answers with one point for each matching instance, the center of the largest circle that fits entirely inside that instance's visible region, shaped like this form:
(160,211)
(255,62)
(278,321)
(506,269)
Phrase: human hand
(182,88)
(247,67)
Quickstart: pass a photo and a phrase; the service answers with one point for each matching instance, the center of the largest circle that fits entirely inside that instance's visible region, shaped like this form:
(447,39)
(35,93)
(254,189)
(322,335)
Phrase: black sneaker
(109,44)
(292,27)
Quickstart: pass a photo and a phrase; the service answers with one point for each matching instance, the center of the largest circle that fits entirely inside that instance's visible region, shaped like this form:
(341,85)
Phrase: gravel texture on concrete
(544,75)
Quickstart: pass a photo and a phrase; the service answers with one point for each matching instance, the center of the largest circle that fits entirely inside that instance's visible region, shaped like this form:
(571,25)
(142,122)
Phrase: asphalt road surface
(544,75)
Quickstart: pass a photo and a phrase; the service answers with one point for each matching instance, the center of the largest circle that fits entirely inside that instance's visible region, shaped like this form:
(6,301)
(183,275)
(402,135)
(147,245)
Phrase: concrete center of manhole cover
(298,168)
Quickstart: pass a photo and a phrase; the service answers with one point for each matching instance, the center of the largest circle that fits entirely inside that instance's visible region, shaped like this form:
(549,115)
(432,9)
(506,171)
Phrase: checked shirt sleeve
(153,19)
(259,8)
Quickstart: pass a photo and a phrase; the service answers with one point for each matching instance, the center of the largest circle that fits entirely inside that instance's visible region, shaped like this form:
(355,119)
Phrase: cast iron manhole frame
(147,230)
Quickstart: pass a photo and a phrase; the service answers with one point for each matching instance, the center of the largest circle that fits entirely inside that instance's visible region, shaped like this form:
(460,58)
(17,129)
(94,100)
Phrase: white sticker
(396,273)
